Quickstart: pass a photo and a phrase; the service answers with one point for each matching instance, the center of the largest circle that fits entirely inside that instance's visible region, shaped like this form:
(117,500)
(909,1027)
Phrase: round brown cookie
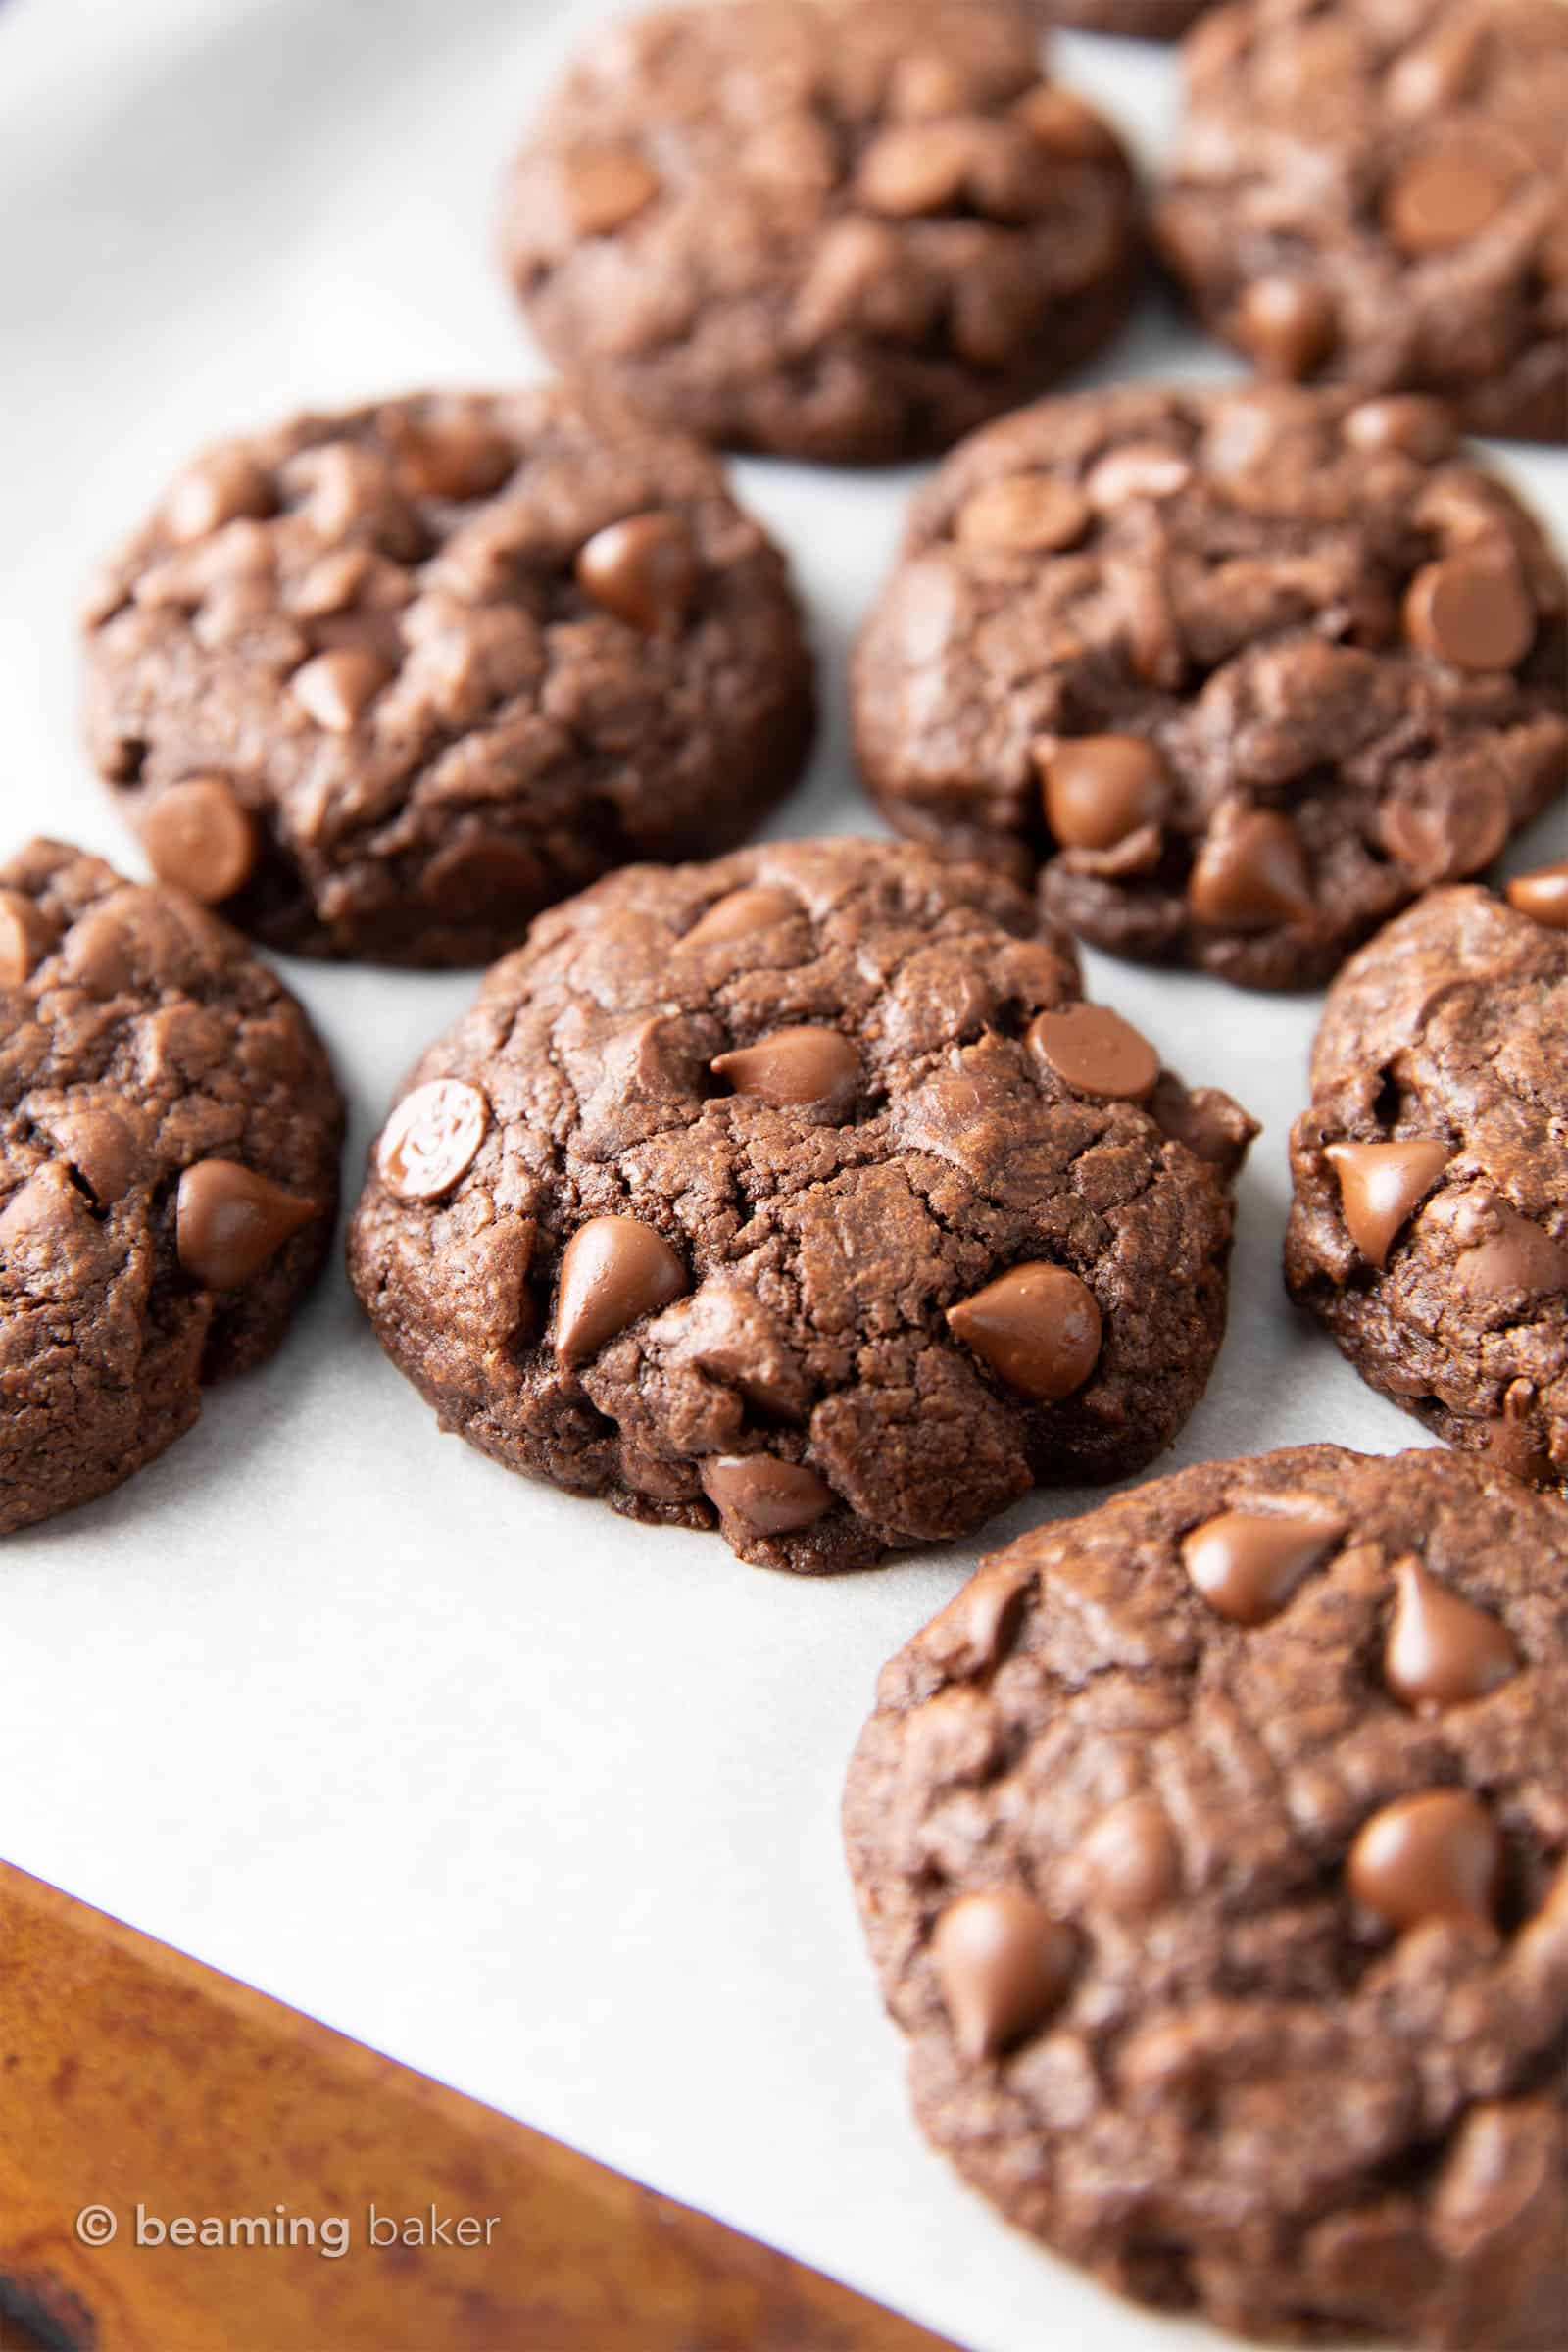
(1214,1852)
(1246,669)
(800,1191)
(1375,192)
(386,683)
(1429,1224)
(170,1134)
(834,232)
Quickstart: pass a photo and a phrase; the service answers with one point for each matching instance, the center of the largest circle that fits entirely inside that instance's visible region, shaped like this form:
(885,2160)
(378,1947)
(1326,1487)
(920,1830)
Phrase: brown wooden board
(131,2076)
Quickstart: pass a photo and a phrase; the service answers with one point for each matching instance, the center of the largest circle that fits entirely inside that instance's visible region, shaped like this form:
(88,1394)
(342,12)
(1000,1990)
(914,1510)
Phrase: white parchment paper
(536,1800)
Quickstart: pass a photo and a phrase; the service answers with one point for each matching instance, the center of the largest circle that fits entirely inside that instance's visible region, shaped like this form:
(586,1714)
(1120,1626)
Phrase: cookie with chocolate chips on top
(170,1132)
(1238,673)
(841,233)
(1375,193)
(1213,1850)
(1429,1228)
(384,684)
(801,1193)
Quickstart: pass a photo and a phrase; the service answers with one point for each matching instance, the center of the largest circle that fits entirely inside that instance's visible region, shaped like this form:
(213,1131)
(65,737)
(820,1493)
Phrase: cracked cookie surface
(1240,671)
(842,233)
(1428,1225)
(170,1132)
(386,683)
(1375,192)
(1213,1850)
(800,1192)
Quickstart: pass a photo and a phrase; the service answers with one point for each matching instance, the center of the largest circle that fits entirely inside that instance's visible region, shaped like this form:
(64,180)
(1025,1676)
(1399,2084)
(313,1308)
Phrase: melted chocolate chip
(794,1066)
(1025,514)
(1130,1858)
(1542,894)
(1252,874)
(1100,788)
(1380,1185)
(199,837)
(1003,1964)
(1471,612)
(1437,1856)
(1441,199)
(613,1270)
(1093,1051)
(337,687)
(1440,1651)
(1038,1327)
(17,943)
(1286,323)
(741,914)
(229,1221)
(767,1497)
(644,570)
(1247,1564)
(431,1138)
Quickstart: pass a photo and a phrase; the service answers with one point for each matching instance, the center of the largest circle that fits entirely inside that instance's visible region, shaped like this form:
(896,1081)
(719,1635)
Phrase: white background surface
(538,1801)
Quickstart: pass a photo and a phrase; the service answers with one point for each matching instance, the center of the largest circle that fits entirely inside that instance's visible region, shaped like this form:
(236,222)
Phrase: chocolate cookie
(385,684)
(1429,1224)
(168,1168)
(1375,192)
(1243,669)
(1214,1852)
(800,1191)
(835,232)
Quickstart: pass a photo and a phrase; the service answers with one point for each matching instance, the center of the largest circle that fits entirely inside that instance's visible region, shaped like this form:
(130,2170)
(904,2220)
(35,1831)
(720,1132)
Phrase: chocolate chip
(103,1149)
(1100,788)
(1138,470)
(431,1138)
(229,1221)
(1417,428)
(605,187)
(1471,612)
(1130,1858)
(198,836)
(1093,1051)
(1286,323)
(1542,894)
(1065,124)
(1441,199)
(644,570)
(1458,836)
(1247,1564)
(742,913)
(1251,874)
(613,1271)
(17,945)
(794,1066)
(338,686)
(219,488)
(1003,1964)
(918,168)
(978,1626)
(1440,1651)
(1380,1184)
(1025,512)
(767,1497)
(1038,1327)
(454,456)
(1510,1256)
(1437,1856)
(483,875)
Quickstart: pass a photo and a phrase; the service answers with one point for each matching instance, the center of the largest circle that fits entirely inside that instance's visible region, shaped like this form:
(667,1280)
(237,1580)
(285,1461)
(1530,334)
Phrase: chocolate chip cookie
(1375,192)
(802,1193)
(384,684)
(1213,1853)
(1428,1229)
(1242,672)
(833,232)
(170,1133)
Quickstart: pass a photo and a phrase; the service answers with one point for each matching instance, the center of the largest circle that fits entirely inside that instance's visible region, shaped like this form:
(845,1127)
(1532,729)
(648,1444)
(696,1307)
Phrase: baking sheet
(537,1800)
